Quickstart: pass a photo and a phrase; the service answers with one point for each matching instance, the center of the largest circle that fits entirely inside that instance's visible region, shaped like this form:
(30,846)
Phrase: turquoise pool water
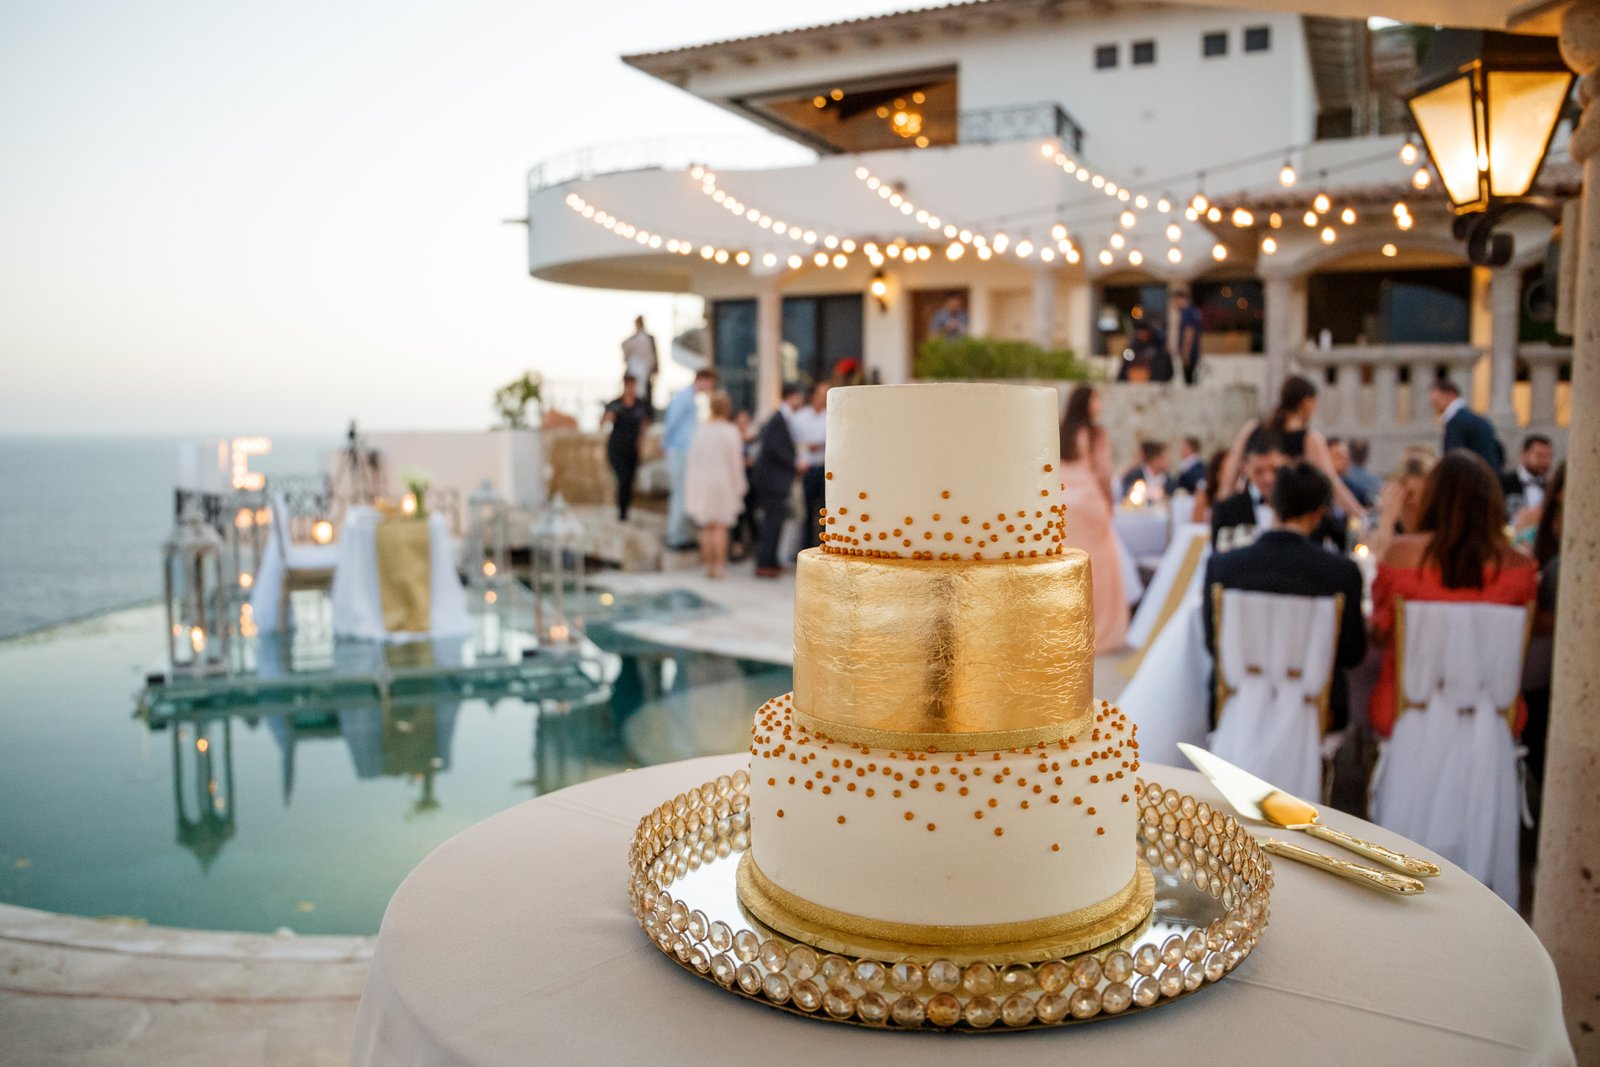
(309,820)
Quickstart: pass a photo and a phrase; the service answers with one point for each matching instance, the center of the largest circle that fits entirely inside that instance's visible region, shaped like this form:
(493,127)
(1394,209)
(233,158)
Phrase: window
(1214,44)
(1105,57)
(1144,53)
(1257,38)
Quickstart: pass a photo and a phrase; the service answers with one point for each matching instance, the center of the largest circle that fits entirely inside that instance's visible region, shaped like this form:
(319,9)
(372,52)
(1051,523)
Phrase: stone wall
(1166,411)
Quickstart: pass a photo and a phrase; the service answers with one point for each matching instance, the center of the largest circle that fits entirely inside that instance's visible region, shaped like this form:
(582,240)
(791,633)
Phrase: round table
(513,943)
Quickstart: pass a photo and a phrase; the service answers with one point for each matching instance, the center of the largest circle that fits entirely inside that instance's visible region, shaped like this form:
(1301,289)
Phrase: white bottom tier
(947,838)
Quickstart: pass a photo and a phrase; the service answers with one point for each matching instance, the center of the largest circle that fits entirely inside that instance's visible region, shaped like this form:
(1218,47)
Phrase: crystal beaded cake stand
(1212,883)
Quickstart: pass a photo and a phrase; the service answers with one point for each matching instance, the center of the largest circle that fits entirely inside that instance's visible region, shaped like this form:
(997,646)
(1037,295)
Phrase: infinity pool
(302,819)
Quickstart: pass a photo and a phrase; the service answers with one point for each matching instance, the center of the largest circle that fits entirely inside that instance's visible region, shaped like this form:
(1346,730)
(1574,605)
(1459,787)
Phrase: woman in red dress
(1460,553)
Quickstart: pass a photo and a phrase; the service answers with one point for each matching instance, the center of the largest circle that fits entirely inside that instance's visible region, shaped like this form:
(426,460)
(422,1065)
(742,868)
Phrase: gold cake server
(1257,799)
(1371,877)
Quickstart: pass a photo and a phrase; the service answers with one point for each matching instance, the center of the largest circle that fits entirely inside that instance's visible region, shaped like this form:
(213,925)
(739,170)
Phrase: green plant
(987,357)
(511,400)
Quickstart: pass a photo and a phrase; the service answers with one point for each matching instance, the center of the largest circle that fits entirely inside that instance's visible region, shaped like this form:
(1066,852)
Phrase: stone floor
(88,992)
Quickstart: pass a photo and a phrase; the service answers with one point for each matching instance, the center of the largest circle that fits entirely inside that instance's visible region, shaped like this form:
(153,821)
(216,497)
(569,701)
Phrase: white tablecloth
(1174,561)
(1143,530)
(357,603)
(513,943)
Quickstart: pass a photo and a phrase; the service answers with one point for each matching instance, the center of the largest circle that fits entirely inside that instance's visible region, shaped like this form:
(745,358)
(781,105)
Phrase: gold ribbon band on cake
(925,654)
(1053,935)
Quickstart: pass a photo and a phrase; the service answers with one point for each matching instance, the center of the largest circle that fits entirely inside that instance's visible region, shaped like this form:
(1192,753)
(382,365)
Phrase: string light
(1320,204)
(1117,240)
(1219,252)
(1420,178)
(1309,218)
(1135,256)
(1275,220)
(1390,250)
(1174,255)
(1024,249)
(1348,216)
(1329,235)
(1127,219)
(1287,176)
(1269,245)
(1408,156)
(646,238)
(1106,257)
(1242,217)
(1174,231)
(1214,214)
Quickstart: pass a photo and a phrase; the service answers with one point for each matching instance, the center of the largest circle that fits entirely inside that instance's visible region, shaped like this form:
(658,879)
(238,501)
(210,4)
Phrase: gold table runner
(404,574)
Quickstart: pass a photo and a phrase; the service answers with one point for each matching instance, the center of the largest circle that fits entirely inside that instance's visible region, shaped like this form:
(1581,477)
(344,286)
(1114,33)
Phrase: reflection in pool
(305,811)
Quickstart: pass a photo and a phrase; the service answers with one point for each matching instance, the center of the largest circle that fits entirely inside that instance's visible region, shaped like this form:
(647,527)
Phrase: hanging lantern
(1487,105)
(196,596)
(559,546)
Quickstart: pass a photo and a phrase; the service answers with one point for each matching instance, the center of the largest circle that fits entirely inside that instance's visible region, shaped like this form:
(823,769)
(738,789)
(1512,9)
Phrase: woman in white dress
(714,484)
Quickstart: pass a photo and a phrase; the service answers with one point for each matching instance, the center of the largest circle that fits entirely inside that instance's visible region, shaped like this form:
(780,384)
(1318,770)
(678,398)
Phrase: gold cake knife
(1257,799)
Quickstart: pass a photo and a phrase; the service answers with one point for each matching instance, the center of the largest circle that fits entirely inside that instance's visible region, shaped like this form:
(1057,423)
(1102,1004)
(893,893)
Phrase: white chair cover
(1275,654)
(1166,698)
(1448,775)
(281,553)
(1182,561)
(357,603)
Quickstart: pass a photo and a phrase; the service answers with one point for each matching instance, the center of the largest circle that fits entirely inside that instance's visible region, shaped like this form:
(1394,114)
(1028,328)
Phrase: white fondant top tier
(921,468)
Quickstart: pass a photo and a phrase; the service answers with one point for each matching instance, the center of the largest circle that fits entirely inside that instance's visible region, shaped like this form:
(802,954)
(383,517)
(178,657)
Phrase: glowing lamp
(1487,105)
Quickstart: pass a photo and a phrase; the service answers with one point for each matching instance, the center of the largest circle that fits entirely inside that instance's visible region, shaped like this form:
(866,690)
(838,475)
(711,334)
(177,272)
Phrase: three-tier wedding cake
(941,777)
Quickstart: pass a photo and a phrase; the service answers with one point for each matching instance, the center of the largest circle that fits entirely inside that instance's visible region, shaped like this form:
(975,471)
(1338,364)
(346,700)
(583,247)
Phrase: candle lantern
(488,556)
(202,786)
(197,597)
(559,546)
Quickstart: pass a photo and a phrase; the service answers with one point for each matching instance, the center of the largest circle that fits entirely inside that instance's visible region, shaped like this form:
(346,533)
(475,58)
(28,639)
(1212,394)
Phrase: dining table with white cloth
(514,942)
(1143,530)
(358,590)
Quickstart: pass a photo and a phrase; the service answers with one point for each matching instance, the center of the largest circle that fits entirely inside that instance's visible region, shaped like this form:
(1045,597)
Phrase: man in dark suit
(1191,465)
(1463,427)
(1253,507)
(1286,560)
(1152,471)
(772,479)
(1526,481)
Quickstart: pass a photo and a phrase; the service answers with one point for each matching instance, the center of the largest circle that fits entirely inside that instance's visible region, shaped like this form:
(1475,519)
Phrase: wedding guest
(1287,559)
(1463,427)
(742,540)
(1343,464)
(682,416)
(810,428)
(1290,423)
(1190,323)
(1251,507)
(715,483)
(1191,465)
(950,321)
(1152,471)
(1524,484)
(1360,480)
(1460,553)
(1541,644)
(639,359)
(1086,492)
(1400,501)
(772,479)
(629,417)
(1210,487)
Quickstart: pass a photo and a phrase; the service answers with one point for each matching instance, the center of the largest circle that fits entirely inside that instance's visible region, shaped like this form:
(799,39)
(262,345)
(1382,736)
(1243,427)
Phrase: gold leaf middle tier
(943,655)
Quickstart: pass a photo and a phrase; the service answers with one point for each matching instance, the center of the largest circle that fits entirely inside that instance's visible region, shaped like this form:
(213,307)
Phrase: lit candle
(559,632)
(197,638)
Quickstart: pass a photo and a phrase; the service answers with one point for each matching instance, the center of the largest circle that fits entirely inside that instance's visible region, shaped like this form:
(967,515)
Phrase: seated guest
(1287,560)
(1191,465)
(1459,553)
(1339,450)
(1524,484)
(1152,471)
(1252,507)
(1400,502)
(1358,476)
(1210,487)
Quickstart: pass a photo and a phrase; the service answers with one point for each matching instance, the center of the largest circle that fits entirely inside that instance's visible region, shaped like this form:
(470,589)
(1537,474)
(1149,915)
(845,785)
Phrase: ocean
(82,520)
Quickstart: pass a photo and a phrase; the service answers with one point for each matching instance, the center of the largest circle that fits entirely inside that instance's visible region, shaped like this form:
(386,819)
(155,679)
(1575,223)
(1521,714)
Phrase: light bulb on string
(1191,214)
(1390,250)
(1320,204)
(1127,219)
(1174,231)
(1117,240)
(1408,153)
(1269,244)
(1058,232)
(1219,252)
(1287,176)
(1174,255)
(1329,235)
(1348,216)
(1199,202)
(1242,217)
(954,251)
(1309,218)
(1106,257)
(1024,249)
(1164,206)
(1420,178)
(1275,220)
(1214,213)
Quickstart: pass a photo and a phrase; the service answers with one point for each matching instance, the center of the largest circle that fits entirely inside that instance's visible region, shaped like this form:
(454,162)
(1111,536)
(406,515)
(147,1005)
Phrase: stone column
(980,311)
(1285,329)
(769,344)
(1044,307)
(1566,907)
(1505,317)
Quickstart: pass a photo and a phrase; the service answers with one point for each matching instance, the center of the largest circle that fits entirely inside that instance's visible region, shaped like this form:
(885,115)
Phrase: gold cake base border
(1005,943)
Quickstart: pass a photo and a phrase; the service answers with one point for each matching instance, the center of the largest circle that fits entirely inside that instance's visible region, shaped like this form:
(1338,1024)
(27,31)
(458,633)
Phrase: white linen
(1174,564)
(1132,584)
(1276,653)
(1144,531)
(514,943)
(357,602)
(1168,696)
(1448,775)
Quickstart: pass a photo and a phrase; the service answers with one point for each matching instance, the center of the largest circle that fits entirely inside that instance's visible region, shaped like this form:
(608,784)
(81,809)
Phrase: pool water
(302,819)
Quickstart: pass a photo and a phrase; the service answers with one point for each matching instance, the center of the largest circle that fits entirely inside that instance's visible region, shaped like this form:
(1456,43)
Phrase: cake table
(513,943)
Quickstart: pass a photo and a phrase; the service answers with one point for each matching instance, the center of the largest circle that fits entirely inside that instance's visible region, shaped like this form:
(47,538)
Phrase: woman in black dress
(1290,426)
(629,417)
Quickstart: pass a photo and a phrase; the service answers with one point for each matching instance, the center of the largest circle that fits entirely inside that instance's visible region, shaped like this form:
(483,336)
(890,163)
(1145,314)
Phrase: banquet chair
(1274,675)
(1448,776)
(305,566)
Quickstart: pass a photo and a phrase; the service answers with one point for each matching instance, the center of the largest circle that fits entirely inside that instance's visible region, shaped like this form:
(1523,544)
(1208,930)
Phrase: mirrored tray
(1212,883)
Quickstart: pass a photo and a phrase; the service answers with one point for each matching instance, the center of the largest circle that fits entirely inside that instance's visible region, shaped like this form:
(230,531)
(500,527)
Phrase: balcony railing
(1021,122)
(732,153)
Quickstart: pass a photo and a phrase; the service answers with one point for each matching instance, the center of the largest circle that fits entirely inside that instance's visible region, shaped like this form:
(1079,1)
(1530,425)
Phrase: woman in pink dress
(714,483)
(1086,493)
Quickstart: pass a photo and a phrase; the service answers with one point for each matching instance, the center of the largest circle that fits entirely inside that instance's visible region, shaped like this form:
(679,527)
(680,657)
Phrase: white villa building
(1060,168)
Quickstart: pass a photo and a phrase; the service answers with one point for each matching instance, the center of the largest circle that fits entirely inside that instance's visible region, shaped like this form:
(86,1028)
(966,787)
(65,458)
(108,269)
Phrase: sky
(273,217)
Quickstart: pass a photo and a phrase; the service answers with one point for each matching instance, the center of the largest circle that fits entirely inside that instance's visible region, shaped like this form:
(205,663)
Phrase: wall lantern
(1487,105)
(879,288)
